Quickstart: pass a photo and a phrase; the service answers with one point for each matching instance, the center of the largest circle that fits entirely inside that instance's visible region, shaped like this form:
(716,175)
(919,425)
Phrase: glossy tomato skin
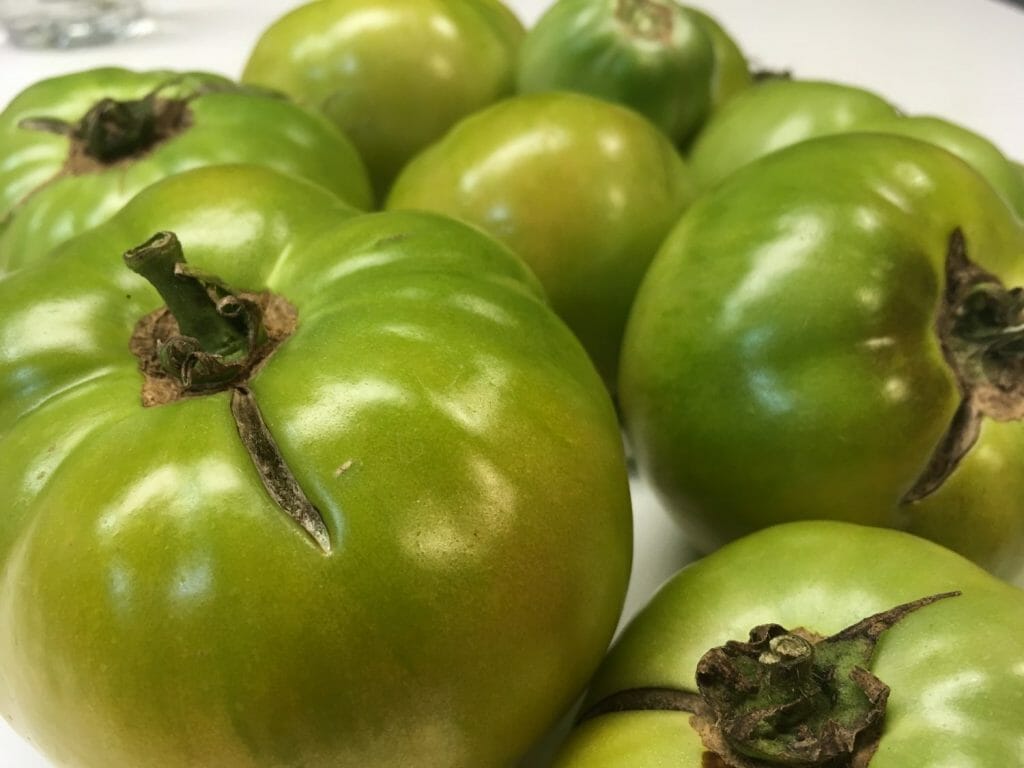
(780,113)
(781,360)
(980,153)
(157,609)
(582,189)
(394,75)
(44,203)
(954,667)
(670,63)
(776,114)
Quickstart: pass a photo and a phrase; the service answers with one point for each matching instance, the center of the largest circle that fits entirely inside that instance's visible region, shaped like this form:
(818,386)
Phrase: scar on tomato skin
(391,239)
(274,472)
(344,468)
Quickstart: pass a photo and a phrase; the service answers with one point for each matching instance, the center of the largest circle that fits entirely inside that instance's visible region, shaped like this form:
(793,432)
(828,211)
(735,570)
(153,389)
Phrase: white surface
(959,59)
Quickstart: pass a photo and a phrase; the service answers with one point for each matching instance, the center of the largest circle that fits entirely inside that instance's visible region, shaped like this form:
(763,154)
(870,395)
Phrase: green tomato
(399,535)
(815,339)
(776,114)
(954,668)
(668,62)
(76,148)
(975,150)
(582,189)
(732,72)
(394,75)
(779,113)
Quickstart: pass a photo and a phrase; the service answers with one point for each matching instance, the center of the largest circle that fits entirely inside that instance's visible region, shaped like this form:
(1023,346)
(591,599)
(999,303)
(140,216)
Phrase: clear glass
(71,23)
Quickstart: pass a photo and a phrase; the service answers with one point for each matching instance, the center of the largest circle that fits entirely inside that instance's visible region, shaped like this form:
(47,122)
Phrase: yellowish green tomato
(671,63)
(950,670)
(75,148)
(361,502)
(394,75)
(976,150)
(582,189)
(779,113)
(834,331)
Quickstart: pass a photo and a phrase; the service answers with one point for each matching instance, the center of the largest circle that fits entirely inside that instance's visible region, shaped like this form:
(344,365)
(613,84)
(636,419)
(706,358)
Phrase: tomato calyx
(761,75)
(113,131)
(208,339)
(784,698)
(646,19)
(981,330)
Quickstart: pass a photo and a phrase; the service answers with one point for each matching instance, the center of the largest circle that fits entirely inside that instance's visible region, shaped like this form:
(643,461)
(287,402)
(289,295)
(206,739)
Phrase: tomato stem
(112,130)
(646,19)
(212,323)
(210,339)
(981,329)
(784,698)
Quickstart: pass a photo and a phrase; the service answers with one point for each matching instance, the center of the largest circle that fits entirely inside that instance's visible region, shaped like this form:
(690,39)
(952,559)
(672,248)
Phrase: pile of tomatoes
(314,385)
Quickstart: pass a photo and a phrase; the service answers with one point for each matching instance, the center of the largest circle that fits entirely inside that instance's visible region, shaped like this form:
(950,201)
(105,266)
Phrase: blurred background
(960,59)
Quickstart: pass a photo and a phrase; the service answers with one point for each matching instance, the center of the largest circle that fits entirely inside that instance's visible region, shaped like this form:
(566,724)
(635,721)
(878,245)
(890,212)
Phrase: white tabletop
(958,59)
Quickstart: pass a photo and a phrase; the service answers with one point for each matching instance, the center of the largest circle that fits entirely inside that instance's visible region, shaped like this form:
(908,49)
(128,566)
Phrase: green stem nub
(785,699)
(220,332)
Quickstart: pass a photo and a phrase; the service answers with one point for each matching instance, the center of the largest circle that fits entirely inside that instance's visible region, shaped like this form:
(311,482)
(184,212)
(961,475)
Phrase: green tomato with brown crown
(835,331)
(808,645)
(77,147)
(297,486)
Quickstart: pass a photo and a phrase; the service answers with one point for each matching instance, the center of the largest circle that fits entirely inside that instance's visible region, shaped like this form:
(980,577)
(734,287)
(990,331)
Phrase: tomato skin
(41,204)
(633,740)
(776,114)
(583,190)
(394,75)
(670,63)
(732,73)
(780,113)
(157,609)
(980,153)
(781,360)
(954,667)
